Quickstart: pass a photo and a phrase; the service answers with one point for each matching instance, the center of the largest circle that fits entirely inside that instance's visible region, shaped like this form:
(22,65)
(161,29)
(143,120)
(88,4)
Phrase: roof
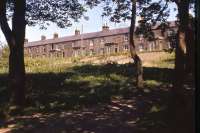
(88,35)
(79,37)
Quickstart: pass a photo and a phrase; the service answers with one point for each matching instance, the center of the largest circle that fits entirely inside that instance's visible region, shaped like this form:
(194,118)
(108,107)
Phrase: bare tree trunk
(17,75)
(197,61)
(190,47)
(182,119)
(180,57)
(15,39)
(135,57)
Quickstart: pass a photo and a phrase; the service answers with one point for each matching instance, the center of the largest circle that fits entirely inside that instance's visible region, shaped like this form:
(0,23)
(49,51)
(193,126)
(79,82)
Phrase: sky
(94,24)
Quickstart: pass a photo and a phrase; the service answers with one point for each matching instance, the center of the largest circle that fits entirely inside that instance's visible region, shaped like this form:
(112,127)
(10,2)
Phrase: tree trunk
(180,106)
(197,61)
(135,57)
(190,47)
(15,40)
(16,59)
(17,75)
(180,57)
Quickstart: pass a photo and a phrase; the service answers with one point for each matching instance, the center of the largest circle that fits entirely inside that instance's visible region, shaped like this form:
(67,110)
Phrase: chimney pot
(55,35)
(77,32)
(43,37)
(105,28)
(25,40)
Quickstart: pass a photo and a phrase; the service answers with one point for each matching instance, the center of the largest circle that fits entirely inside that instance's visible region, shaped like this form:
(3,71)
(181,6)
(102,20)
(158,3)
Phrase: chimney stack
(25,40)
(105,27)
(77,32)
(43,37)
(55,35)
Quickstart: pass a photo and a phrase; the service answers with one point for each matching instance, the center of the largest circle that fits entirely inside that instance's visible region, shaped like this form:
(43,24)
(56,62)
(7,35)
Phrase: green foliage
(145,29)
(4,59)
(43,13)
(75,59)
(120,10)
(45,65)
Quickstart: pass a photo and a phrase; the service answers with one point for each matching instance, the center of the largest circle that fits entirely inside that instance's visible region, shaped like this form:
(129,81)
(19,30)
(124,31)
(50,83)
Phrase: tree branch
(18,20)
(4,23)
(163,9)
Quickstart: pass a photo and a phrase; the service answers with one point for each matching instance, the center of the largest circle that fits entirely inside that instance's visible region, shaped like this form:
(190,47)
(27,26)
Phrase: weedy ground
(83,95)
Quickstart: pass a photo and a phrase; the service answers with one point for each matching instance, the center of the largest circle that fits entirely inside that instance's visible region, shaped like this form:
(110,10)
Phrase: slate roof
(87,36)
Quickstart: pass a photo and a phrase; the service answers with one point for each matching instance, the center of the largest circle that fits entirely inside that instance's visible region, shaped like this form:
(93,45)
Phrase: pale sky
(93,24)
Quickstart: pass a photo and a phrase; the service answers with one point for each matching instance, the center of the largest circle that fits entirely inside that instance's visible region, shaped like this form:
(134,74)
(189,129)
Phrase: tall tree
(183,15)
(15,39)
(184,49)
(197,61)
(135,57)
(190,49)
(31,12)
(181,106)
(122,10)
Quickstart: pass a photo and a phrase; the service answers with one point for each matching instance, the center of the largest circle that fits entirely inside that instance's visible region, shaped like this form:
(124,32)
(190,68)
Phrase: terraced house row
(107,41)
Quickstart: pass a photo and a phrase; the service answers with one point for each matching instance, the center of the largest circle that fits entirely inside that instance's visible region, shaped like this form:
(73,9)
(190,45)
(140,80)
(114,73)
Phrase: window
(60,46)
(150,46)
(91,52)
(75,53)
(116,50)
(29,50)
(126,47)
(65,46)
(126,38)
(52,46)
(73,44)
(56,46)
(44,49)
(169,45)
(83,52)
(141,47)
(91,43)
(108,50)
(102,41)
(141,37)
(102,51)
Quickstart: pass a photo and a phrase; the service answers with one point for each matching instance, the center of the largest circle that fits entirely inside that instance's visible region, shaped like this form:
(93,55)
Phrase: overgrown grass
(56,84)
(57,65)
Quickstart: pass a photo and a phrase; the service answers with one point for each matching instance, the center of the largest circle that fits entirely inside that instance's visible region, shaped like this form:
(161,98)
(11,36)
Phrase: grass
(55,85)
(75,83)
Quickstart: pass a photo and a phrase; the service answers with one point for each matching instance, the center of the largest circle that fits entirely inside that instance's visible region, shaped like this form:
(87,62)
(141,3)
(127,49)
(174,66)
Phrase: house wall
(97,46)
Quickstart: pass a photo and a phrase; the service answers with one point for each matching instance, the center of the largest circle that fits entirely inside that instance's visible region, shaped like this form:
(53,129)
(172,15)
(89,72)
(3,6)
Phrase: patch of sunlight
(155,108)
(53,104)
(158,59)
(45,65)
(116,77)
(131,122)
(92,80)
(146,90)
(152,83)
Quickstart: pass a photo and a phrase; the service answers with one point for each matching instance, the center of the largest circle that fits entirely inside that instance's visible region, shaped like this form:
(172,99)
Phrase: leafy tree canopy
(42,12)
(152,12)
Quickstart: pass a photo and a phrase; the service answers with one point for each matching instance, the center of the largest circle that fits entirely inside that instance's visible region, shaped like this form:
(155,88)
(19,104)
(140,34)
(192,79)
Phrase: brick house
(107,41)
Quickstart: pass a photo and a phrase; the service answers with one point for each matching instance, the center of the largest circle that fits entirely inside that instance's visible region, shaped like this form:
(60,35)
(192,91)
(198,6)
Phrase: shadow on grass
(92,98)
